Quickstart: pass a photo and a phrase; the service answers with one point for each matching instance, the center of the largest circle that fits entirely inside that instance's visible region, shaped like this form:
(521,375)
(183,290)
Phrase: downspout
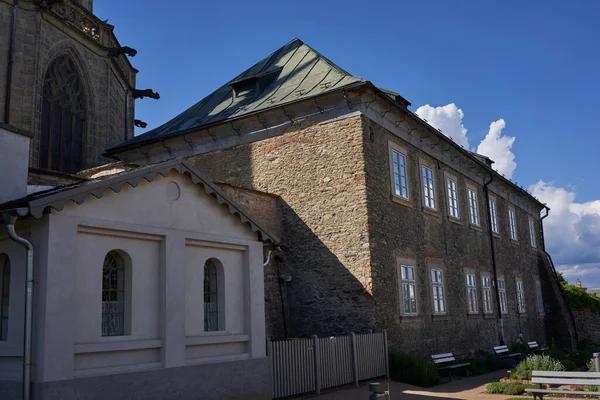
(11,56)
(491,233)
(10,221)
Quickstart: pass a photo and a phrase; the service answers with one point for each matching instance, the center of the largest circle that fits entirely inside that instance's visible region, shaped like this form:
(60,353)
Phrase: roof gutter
(10,219)
(493,252)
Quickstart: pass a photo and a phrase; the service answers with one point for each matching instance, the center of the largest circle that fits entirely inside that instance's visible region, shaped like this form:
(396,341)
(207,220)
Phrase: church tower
(64,78)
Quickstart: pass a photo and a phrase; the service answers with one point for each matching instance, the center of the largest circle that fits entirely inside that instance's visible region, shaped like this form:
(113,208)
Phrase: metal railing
(309,365)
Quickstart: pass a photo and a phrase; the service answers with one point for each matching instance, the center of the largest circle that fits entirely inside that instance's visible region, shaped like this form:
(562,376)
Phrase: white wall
(14,165)
(168,238)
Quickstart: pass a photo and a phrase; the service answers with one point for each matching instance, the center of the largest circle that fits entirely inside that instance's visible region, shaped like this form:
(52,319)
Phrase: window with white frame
(437,286)
(473,206)
(472,294)
(502,295)
(512,221)
(428,187)
(520,297)
(452,197)
(540,297)
(399,181)
(486,292)
(408,289)
(532,233)
(494,215)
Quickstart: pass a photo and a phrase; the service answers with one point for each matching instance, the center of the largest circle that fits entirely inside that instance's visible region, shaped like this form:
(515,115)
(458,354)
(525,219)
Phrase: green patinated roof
(292,73)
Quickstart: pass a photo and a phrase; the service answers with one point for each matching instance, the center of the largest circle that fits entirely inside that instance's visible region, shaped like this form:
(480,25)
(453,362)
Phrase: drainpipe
(11,56)
(10,221)
(491,233)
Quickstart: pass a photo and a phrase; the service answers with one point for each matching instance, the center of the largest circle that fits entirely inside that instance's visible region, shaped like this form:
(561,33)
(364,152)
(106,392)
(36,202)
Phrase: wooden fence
(309,365)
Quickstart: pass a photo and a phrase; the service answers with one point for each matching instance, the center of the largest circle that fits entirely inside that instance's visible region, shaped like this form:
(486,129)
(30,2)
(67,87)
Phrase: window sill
(455,220)
(474,316)
(440,317)
(475,227)
(432,212)
(489,316)
(121,345)
(199,340)
(496,235)
(401,201)
(515,242)
(411,319)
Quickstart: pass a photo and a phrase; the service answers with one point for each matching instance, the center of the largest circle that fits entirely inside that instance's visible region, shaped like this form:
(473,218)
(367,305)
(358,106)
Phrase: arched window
(63,118)
(4,295)
(114,295)
(211,297)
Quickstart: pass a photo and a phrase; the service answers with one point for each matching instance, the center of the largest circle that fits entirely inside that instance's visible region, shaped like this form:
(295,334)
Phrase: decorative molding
(216,245)
(215,339)
(95,230)
(122,345)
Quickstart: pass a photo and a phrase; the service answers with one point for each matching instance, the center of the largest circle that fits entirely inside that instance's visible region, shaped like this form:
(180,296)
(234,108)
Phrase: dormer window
(251,85)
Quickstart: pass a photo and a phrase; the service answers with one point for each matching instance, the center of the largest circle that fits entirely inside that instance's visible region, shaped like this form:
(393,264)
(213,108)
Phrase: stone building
(63,70)
(385,221)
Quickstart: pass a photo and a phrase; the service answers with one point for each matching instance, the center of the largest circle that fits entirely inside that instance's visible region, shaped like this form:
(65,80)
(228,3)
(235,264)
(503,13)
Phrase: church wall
(40,38)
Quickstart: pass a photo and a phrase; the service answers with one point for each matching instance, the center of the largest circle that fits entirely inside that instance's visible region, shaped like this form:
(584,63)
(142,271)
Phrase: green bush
(496,387)
(519,347)
(413,370)
(514,388)
(578,298)
(590,365)
(568,364)
(537,362)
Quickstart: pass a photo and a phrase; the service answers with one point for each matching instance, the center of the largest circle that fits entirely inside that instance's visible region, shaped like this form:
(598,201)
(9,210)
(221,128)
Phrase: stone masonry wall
(588,324)
(317,169)
(405,232)
(39,40)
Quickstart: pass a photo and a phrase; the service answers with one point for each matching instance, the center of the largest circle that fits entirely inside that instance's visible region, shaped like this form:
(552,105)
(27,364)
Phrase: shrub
(413,370)
(537,363)
(590,365)
(514,388)
(496,387)
(519,347)
(578,298)
(568,364)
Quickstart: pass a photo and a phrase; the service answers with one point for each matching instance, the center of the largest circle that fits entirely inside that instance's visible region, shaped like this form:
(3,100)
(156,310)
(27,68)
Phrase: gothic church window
(213,287)
(63,118)
(114,295)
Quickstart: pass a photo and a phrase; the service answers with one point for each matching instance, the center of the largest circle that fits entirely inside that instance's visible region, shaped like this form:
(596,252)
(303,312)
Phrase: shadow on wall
(324,298)
(560,329)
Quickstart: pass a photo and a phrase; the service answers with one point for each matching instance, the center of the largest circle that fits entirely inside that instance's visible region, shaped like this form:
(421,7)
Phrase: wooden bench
(446,361)
(563,378)
(504,352)
(534,346)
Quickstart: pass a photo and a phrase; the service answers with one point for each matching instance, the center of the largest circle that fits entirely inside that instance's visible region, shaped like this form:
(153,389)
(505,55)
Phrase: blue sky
(534,64)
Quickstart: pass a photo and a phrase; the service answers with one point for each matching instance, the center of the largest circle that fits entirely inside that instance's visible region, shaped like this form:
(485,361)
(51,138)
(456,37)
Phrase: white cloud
(572,233)
(499,149)
(448,118)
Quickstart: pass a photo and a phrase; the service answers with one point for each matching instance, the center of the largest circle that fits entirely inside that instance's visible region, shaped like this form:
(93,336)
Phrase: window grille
(472,294)
(211,302)
(113,295)
(409,290)
(452,198)
(400,182)
(502,293)
(486,290)
(437,285)
(520,297)
(494,215)
(473,207)
(428,187)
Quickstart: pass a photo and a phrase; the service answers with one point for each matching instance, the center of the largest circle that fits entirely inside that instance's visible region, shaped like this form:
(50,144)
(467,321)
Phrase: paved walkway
(461,388)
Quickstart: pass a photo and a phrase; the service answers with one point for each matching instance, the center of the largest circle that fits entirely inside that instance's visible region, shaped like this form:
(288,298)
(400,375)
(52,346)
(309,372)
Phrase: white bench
(534,346)
(504,352)
(563,378)
(446,361)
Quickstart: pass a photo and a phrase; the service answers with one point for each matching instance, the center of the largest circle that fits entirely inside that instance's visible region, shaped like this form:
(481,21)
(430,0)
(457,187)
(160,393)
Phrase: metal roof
(292,73)
(36,204)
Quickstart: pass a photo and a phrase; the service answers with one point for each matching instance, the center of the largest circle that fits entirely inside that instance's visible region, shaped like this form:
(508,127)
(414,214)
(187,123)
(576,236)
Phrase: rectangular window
(472,294)
(540,297)
(437,285)
(428,187)
(408,289)
(494,215)
(452,198)
(520,297)
(502,293)
(400,183)
(512,220)
(473,207)
(532,233)
(486,291)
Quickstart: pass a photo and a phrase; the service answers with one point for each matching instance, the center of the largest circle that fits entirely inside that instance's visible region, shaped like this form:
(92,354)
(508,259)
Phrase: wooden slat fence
(309,365)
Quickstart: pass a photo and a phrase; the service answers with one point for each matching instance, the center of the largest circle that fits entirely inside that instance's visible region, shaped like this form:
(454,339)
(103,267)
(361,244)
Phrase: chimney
(14,162)
(578,283)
